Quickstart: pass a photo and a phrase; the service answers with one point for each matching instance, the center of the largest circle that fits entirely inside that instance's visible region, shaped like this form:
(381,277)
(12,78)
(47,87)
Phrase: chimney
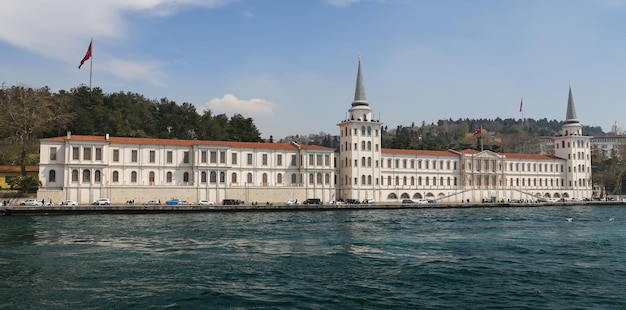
(106,137)
(69,135)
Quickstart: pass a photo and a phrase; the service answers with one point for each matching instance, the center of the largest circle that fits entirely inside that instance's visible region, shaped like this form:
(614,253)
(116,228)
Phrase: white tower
(360,149)
(575,148)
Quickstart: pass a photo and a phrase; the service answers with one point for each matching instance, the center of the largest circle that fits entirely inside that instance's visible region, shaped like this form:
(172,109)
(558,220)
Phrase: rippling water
(488,258)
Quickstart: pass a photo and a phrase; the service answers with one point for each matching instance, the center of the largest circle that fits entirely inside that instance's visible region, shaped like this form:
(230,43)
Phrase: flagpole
(481,138)
(521,109)
(90,64)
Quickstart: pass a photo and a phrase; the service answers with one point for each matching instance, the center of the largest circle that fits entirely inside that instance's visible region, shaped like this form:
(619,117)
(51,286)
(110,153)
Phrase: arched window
(327,178)
(222,177)
(293,178)
(369,130)
(363,180)
(97,176)
(369,145)
(74,175)
(203,177)
(151,177)
(319,178)
(169,177)
(212,177)
(86,176)
(52,176)
(311,178)
(362,145)
(363,130)
(186,177)
(133,177)
(233,177)
(279,178)
(369,161)
(264,178)
(249,178)
(116,176)
(362,161)
(392,196)
(369,180)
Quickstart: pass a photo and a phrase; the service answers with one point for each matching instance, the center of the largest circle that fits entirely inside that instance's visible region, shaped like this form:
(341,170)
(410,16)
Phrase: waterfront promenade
(143,209)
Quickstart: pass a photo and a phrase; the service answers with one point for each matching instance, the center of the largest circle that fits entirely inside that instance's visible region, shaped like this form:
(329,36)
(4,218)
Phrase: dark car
(353,201)
(235,202)
(313,201)
(408,201)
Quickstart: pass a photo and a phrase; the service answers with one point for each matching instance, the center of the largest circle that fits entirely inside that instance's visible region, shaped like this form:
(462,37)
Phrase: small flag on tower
(87,55)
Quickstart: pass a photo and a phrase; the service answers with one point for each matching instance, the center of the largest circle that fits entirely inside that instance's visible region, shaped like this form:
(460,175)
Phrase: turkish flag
(87,56)
(478,131)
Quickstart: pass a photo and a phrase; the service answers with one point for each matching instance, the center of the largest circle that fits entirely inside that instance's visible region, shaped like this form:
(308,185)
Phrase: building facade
(85,168)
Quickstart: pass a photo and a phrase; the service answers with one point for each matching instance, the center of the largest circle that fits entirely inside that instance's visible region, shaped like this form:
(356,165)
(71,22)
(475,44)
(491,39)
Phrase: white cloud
(135,70)
(232,104)
(61,30)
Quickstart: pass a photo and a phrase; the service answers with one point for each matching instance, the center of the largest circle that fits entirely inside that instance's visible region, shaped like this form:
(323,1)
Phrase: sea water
(565,257)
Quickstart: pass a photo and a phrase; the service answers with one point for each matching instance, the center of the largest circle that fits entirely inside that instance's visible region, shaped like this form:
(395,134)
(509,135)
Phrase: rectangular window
(311,160)
(186,157)
(203,157)
(318,159)
(264,159)
(87,153)
(249,158)
(152,156)
(75,153)
(133,156)
(234,158)
(213,157)
(327,160)
(53,153)
(98,153)
(222,157)
(116,155)
(279,160)
(293,160)
(169,157)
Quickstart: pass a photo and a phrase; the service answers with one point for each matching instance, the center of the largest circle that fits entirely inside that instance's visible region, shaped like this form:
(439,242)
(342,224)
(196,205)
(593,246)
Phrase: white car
(369,200)
(205,203)
(292,202)
(152,202)
(31,202)
(102,202)
(422,201)
(68,203)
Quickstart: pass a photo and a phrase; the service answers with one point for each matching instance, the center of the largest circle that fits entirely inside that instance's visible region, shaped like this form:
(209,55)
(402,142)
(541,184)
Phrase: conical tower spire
(359,92)
(570,118)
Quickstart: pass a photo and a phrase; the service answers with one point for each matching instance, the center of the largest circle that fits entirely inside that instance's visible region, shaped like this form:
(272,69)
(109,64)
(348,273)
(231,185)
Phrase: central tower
(360,149)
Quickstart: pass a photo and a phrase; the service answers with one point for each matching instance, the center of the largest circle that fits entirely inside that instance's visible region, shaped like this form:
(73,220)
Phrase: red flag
(521,104)
(478,131)
(87,55)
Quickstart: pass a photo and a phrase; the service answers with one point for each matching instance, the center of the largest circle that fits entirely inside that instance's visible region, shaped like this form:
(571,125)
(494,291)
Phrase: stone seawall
(146,209)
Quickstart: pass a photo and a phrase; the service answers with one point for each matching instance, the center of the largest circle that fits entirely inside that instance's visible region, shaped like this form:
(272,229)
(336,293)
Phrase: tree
(25,183)
(26,114)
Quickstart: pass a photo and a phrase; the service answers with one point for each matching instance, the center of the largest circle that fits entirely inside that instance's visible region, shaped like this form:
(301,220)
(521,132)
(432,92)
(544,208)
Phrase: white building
(84,168)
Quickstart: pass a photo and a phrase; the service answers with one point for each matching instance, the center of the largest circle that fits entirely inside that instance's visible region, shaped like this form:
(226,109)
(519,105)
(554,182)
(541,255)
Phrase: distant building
(7,173)
(84,168)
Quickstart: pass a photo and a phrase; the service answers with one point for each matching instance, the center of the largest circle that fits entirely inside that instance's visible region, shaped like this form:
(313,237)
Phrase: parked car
(227,202)
(184,203)
(173,201)
(353,201)
(421,201)
(313,201)
(68,203)
(292,202)
(205,203)
(31,202)
(407,201)
(152,202)
(335,202)
(369,200)
(102,202)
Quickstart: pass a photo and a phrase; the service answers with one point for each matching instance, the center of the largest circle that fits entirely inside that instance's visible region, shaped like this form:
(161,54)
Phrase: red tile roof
(17,169)
(177,142)
(419,152)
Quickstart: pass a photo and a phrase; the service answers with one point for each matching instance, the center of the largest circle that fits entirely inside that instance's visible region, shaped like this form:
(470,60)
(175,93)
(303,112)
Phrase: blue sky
(291,65)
